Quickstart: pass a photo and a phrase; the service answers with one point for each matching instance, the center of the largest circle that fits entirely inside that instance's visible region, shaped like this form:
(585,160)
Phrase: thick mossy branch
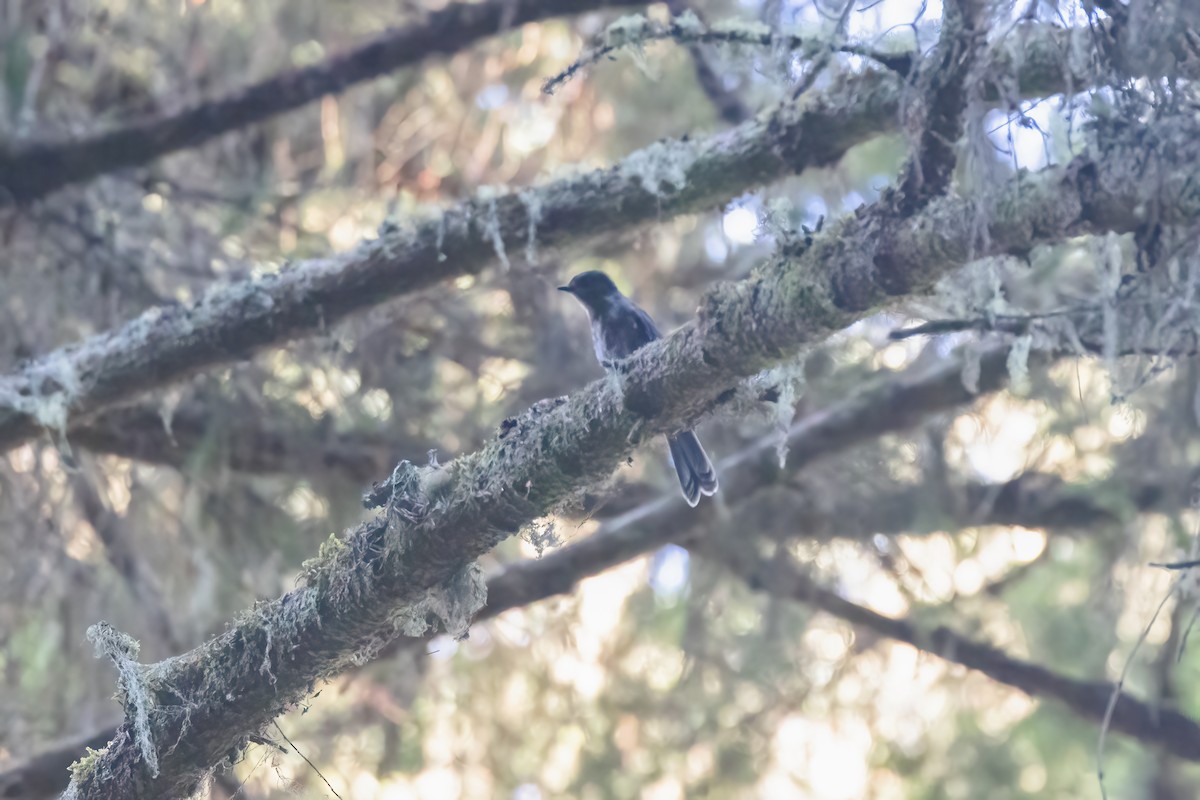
(414,562)
(167,344)
(893,403)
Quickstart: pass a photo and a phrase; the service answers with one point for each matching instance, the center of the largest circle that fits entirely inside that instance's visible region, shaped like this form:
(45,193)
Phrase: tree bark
(166,344)
(890,404)
(416,561)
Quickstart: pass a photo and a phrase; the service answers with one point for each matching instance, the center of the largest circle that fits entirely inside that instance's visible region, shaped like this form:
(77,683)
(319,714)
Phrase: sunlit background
(668,676)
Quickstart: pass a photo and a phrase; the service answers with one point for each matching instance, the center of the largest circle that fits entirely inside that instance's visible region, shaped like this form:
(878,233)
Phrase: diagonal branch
(168,343)
(730,106)
(391,574)
(1174,732)
(889,404)
(46,774)
(31,170)
(659,522)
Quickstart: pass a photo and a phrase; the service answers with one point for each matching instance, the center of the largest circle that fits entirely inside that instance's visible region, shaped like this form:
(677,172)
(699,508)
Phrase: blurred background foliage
(663,678)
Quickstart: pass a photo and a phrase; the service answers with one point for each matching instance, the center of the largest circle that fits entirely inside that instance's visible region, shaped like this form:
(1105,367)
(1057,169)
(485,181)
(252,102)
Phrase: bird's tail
(696,473)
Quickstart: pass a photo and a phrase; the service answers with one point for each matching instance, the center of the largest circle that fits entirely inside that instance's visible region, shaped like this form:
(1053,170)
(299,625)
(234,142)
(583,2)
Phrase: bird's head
(594,289)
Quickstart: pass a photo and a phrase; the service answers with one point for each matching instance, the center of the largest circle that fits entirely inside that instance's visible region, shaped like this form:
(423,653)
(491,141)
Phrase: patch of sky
(492,97)
(669,570)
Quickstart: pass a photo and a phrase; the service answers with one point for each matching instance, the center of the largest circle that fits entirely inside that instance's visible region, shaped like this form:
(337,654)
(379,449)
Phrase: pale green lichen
(452,605)
(491,225)
(1109,261)
(689,24)
(1018,362)
(441,236)
(662,168)
(743,28)
(313,568)
(789,380)
(56,388)
(532,200)
(779,219)
(972,368)
(123,650)
(628,30)
(412,494)
(541,533)
(167,406)
(997,301)
(1196,402)
(82,768)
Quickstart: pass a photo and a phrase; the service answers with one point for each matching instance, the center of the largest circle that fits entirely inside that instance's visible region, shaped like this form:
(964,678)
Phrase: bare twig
(686,29)
(307,761)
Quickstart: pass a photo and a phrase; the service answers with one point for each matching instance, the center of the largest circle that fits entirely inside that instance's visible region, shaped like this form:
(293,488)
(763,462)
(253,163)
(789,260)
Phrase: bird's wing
(646,326)
(626,328)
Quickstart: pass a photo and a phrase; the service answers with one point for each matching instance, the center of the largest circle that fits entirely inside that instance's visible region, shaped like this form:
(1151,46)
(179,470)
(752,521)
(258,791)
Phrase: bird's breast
(598,343)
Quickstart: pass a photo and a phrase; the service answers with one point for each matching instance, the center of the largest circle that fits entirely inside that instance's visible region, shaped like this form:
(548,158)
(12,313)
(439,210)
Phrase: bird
(619,328)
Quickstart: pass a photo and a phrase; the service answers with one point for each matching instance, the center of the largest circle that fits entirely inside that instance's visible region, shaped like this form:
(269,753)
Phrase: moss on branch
(414,563)
(231,323)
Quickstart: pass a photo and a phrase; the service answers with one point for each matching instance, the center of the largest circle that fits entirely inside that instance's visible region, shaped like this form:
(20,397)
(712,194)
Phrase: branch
(1174,732)
(889,404)
(245,442)
(729,104)
(31,170)
(389,575)
(168,343)
(121,554)
(1153,319)
(686,28)
(854,506)
(46,774)
(943,84)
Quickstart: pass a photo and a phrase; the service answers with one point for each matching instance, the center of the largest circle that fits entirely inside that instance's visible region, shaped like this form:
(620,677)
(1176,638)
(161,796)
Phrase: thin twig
(311,764)
(1119,688)
(693,32)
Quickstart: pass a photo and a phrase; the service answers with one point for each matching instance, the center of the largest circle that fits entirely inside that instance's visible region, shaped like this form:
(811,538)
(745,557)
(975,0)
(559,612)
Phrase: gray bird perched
(618,329)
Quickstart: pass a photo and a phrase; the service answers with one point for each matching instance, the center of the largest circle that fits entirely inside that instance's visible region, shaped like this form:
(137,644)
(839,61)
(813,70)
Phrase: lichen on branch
(414,563)
(233,322)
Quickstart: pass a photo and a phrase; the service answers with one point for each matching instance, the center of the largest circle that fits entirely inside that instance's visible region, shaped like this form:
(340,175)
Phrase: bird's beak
(566,289)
